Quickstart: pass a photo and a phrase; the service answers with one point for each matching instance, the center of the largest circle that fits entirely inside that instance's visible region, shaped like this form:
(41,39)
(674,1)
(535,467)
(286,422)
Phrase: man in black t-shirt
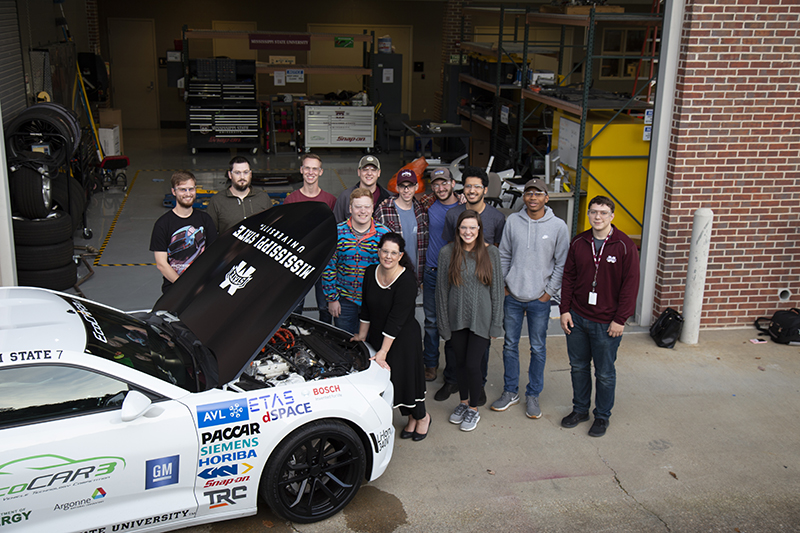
(181,234)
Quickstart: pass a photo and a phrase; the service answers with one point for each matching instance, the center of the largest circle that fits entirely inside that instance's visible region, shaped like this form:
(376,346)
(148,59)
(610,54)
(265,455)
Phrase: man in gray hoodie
(533,251)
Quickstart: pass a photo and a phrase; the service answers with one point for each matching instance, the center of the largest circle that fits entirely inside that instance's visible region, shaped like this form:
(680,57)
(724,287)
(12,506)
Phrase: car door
(68,461)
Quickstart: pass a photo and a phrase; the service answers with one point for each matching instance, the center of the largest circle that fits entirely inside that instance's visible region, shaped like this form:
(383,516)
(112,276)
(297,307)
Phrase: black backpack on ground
(666,330)
(783,327)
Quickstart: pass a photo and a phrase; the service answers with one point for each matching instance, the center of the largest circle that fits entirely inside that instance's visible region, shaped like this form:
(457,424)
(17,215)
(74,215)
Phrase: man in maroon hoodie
(598,294)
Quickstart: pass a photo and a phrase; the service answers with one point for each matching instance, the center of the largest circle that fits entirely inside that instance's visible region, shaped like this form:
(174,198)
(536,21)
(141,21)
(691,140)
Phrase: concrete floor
(702,438)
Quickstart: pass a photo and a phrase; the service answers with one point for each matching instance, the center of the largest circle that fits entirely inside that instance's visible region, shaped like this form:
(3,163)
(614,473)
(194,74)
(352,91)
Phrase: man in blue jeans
(533,251)
(598,294)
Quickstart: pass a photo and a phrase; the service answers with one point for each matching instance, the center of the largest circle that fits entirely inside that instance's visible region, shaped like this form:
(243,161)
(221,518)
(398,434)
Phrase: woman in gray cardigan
(469,309)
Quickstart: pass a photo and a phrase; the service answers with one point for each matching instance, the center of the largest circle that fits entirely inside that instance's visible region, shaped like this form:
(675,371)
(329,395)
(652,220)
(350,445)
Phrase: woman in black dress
(388,324)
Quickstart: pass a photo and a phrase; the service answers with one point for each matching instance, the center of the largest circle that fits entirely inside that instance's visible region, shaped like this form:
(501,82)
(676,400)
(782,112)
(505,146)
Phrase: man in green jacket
(239,201)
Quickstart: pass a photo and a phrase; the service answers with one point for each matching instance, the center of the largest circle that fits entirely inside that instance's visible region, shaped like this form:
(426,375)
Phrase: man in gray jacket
(533,251)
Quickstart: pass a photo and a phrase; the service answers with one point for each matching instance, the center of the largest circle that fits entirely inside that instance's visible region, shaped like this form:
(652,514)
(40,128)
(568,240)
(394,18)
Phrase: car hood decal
(236,294)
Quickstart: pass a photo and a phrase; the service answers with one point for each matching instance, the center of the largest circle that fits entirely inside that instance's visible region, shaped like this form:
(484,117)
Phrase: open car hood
(238,292)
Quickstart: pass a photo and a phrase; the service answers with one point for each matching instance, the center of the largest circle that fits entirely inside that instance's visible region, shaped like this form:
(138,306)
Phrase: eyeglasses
(440,186)
(241,173)
(594,212)
(537,194)
(469,228)
(312,170)
(476,187)
(407,186)
(186,189)
(389,253)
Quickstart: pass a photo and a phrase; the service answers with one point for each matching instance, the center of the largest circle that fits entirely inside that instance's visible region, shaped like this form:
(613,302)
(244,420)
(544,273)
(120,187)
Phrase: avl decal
(162,472)
(217,414)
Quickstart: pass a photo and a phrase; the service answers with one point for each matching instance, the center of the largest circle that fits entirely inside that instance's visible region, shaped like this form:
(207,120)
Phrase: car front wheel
(315,472)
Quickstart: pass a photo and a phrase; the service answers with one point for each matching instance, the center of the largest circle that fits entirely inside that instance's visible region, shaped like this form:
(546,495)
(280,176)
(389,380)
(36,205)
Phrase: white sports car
(185,415)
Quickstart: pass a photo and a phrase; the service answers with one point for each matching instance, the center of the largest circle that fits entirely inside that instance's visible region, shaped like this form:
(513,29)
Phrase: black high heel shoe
(416,437)
(407,434)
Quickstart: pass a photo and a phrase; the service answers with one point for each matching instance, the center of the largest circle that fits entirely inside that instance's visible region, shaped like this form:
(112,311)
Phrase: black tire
(46,122)
(70,196)
(31,193)
(315,472)
(55,228)
(58,279)
(45,257)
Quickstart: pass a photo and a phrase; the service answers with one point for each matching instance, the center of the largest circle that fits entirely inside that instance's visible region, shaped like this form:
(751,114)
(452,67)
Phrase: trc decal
(224,497)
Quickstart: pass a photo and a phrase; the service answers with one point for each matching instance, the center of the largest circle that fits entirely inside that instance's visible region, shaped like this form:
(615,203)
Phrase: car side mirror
(134,405)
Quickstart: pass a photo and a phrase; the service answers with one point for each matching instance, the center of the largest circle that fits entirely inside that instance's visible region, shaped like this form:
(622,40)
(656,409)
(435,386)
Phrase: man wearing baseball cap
(403,214)
(438,204)
(369,170)
(533,251)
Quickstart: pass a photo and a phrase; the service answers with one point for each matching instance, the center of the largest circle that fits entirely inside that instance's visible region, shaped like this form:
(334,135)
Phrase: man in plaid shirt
(403,214)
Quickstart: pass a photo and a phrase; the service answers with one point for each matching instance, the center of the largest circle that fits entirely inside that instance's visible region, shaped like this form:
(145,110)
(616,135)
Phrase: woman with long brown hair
(469,309)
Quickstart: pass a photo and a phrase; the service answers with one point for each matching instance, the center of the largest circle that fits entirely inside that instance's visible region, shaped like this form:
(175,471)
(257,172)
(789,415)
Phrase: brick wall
(735,148)
(93,26)
(451,41)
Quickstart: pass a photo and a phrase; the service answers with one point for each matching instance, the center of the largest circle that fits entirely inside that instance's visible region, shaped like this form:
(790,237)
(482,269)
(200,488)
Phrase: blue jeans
(538,316)
(348,317)
(322,304)
(589,342)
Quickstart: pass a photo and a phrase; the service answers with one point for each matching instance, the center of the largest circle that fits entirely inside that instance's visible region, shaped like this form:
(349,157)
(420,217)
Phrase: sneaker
(458,413)
(532,409)
(506,400)
(430,373)
(573,419)
(598,428)
(445,392)
(471,418)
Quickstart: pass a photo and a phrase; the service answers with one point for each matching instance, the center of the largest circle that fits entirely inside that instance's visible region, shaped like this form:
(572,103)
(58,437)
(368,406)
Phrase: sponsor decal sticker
(162,472)
(381,440)
(278,405)
(221,447)
(96,498)
(326,392)
(224,497)
(217,414)
(8,518)
(50,472)
(240,455)
(233,432)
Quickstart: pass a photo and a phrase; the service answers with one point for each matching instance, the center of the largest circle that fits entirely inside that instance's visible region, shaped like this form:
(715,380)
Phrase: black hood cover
(241,289)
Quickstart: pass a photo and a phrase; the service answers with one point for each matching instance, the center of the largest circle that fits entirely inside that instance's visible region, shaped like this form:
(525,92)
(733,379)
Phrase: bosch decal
(162,472)
(225,497)
(228,457)
(217,414)
(328,391)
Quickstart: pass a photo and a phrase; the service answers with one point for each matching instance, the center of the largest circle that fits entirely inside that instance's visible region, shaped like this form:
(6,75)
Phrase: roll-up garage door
(12,81)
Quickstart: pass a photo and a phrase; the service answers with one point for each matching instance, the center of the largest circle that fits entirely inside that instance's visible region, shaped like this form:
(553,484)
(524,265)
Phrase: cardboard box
(110,140)
(108,118)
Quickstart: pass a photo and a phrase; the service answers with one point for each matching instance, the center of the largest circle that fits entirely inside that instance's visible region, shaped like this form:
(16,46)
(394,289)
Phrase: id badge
(592,298)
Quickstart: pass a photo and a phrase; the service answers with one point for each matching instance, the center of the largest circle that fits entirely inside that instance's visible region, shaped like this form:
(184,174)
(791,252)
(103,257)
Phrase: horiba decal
(44,473)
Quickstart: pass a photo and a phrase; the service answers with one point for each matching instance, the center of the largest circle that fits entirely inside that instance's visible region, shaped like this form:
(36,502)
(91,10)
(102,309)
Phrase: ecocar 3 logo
(52,472)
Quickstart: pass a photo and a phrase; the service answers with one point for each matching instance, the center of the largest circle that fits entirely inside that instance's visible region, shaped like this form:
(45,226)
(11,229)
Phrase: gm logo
(161,472)
(216,414)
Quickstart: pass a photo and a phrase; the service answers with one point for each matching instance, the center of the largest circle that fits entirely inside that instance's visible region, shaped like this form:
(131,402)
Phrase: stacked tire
(47,205)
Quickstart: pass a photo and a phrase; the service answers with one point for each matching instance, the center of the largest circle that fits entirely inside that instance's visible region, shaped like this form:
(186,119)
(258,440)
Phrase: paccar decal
(95,499)
(161,472)
(32,355)
(228,446)
(224,497)
(16,516)
(217,414)
(228,457)
(233,432)
(54,472)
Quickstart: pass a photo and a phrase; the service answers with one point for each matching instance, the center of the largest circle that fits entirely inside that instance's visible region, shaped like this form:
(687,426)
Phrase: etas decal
(217,414)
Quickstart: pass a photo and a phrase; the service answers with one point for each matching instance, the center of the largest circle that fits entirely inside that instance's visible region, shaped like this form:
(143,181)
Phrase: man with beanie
(533,251)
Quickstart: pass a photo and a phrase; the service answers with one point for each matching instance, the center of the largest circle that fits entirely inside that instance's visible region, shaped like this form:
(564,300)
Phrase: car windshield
(125,340)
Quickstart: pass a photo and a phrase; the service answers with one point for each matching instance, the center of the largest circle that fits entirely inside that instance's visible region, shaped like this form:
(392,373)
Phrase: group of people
(480,276)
